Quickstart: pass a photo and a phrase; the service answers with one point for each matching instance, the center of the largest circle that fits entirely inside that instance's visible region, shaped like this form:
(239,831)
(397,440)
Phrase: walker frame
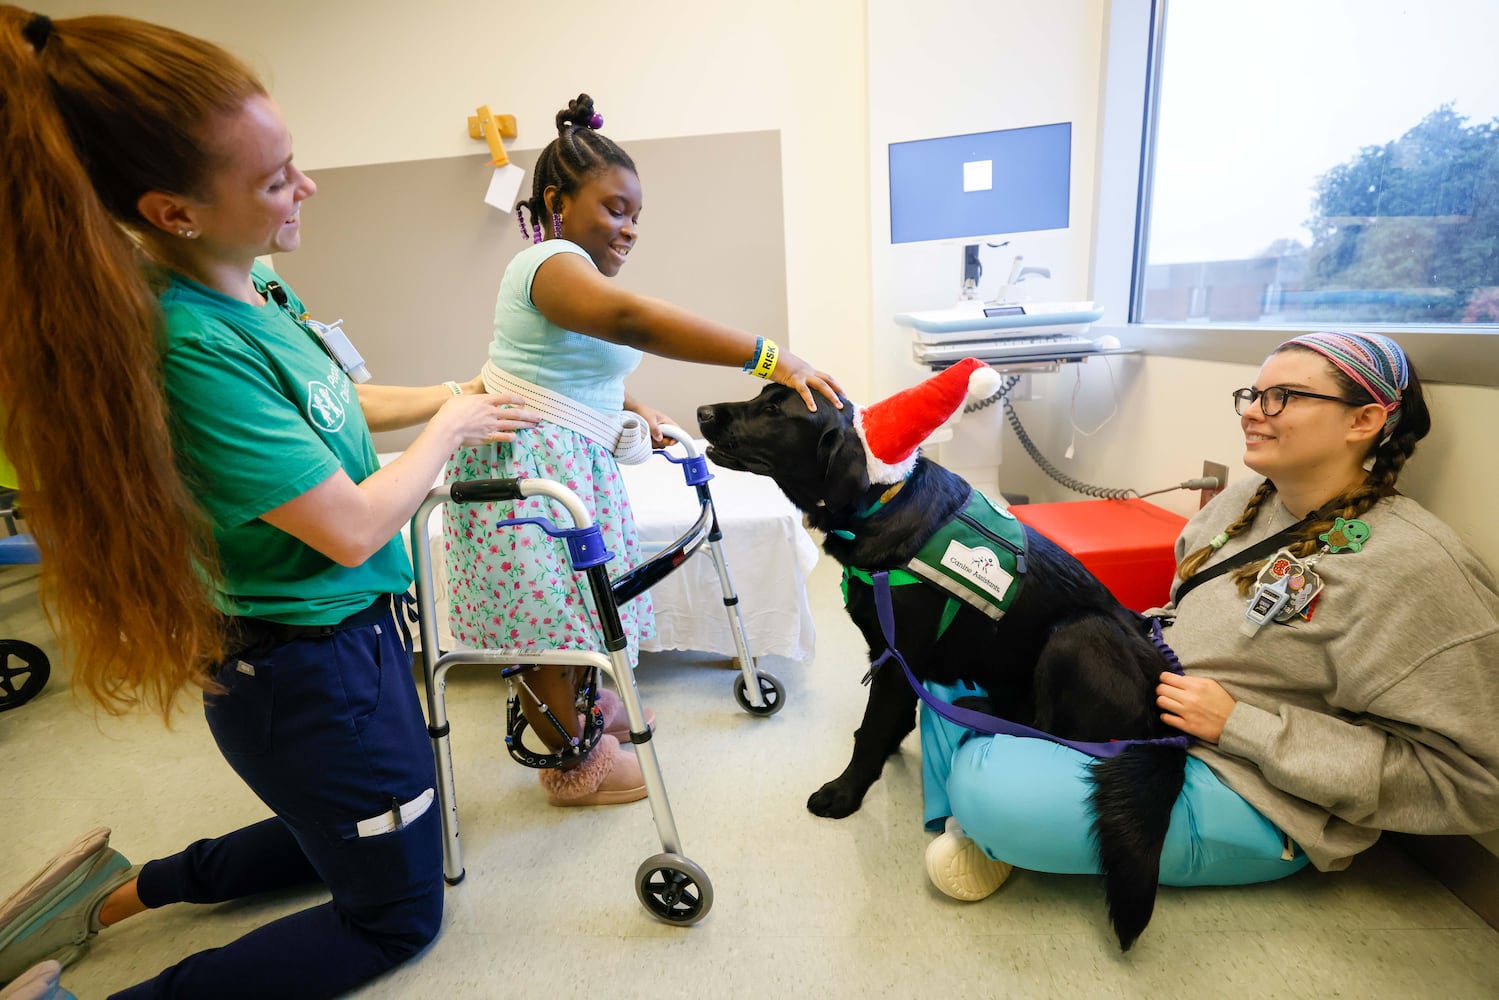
(673,888)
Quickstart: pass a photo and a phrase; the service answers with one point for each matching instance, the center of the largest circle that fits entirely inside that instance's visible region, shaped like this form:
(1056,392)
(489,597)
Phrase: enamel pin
(1349,535)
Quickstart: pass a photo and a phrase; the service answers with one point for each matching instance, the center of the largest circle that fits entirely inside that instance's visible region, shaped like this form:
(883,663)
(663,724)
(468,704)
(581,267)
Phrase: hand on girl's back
(488,417)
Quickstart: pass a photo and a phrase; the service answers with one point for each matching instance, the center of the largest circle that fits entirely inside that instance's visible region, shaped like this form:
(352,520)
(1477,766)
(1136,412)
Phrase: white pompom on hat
(892,430)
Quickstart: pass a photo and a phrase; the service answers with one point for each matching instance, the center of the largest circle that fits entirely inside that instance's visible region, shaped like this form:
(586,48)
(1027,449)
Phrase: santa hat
(892,430)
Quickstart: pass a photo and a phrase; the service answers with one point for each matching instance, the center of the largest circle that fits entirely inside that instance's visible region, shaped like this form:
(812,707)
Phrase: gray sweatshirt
(1382,711)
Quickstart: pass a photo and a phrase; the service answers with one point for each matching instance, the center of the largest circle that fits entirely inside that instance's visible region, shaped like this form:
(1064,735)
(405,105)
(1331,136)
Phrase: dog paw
(834,801)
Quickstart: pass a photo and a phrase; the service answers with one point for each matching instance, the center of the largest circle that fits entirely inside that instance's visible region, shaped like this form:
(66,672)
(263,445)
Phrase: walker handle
(484,490)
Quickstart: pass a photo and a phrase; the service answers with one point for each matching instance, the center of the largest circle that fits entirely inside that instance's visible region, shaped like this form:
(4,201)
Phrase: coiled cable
(1002,395)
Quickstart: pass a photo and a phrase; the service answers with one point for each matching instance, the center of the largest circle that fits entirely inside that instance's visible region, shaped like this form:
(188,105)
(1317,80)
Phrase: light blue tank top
(527,344)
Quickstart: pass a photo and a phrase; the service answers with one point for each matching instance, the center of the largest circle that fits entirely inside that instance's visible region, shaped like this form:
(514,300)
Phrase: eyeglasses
(1273,398)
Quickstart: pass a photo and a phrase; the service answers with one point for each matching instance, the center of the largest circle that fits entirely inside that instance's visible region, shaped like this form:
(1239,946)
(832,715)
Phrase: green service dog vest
(977,557)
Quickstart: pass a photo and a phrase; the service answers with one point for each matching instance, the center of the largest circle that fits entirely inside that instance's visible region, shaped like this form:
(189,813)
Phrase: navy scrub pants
(327,732)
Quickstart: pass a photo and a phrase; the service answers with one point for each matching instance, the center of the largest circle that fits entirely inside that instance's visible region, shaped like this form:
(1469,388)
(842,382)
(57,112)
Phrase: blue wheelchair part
(24,668)
(694,467)
(585,546)
(18,550)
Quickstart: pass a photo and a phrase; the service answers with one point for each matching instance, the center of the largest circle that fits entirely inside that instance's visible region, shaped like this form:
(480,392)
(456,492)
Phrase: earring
(186,234)
(557,225)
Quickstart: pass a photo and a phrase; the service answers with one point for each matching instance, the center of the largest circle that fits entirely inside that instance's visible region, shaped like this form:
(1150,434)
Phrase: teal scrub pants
(1025,801)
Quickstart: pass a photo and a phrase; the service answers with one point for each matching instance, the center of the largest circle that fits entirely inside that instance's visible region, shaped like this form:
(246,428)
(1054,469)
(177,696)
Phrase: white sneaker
(960,868)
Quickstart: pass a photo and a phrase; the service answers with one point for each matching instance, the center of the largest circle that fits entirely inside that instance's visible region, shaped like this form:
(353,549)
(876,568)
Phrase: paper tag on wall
(504,186)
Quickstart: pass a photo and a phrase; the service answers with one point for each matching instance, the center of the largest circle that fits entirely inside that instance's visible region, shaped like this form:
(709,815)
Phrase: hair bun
(578,114)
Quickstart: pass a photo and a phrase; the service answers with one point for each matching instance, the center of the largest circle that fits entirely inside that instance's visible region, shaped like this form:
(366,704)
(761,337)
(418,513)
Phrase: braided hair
(1390,456)
(579,151)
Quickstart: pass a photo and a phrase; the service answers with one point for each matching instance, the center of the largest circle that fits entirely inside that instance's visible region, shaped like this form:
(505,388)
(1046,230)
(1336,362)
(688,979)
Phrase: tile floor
(803,907)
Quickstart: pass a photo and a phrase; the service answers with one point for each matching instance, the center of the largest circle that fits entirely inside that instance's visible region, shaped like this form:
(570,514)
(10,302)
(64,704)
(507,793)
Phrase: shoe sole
(615,797)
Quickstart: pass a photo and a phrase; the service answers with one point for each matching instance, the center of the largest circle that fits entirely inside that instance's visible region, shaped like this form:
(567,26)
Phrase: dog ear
(845,474)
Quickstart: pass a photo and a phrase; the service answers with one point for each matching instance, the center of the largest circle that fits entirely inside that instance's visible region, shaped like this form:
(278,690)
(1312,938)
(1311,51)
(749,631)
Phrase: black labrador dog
(1066,658)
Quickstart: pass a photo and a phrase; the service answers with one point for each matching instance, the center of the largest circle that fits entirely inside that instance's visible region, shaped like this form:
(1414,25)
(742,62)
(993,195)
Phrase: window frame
(1130,101)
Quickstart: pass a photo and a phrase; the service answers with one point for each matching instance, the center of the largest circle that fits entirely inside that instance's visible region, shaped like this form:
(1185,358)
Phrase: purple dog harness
(991,724)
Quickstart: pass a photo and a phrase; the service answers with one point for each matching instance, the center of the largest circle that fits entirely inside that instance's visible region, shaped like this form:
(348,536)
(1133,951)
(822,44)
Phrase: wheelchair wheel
(771,692)
(674,889)
(24,670)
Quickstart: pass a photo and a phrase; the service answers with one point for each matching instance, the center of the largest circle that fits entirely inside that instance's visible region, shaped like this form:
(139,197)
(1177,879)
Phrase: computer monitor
(981,187)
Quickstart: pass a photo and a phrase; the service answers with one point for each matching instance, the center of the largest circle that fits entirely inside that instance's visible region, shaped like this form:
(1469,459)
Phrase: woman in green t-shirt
(219,469)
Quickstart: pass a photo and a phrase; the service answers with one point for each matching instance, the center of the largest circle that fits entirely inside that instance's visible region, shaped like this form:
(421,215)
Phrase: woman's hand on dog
(1195,705)
(794,373)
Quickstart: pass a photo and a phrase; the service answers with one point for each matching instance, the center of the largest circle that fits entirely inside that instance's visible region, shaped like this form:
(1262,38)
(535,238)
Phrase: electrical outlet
(1213,469)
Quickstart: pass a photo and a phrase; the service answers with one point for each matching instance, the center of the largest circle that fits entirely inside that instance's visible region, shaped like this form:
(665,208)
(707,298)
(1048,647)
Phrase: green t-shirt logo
(324,410)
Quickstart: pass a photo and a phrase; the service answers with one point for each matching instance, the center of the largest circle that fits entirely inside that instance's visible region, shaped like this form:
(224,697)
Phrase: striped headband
(1374,362)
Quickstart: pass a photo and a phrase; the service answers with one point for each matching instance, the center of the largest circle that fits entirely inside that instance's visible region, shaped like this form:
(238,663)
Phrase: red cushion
(1128,544)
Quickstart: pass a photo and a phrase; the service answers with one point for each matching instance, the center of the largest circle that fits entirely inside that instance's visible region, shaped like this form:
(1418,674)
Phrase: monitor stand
(972,271)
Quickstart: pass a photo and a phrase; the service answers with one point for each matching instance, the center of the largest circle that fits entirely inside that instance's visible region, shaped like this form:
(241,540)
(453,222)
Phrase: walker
(670,886)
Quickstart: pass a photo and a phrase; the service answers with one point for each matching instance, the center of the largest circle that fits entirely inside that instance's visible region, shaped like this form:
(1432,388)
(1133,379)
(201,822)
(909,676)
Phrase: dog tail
(1133,794)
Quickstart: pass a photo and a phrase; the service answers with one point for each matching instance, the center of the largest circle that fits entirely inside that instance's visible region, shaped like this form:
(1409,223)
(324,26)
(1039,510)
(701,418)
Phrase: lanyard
(334,342)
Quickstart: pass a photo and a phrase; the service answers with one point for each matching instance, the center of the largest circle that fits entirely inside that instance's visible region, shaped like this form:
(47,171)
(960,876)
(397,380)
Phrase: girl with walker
(565,338)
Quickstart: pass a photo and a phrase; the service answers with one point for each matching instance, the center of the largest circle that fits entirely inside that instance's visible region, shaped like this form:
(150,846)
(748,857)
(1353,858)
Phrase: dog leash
(993,724)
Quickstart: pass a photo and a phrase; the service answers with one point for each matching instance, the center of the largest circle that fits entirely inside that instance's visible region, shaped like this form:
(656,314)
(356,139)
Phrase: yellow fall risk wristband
(765,359)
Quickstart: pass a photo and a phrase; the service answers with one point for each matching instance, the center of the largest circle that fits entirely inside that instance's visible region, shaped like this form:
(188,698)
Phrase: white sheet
(768,552)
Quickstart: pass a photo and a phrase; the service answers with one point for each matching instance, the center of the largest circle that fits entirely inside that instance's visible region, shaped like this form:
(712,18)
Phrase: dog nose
(705,416)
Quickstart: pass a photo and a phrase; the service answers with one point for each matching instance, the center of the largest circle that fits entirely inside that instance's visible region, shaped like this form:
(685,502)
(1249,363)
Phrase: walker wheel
(674,889)
(24,670)
(771,692)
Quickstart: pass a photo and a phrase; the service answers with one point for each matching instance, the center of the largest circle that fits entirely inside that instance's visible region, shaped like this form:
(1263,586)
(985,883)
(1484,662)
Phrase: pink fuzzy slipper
(607,776)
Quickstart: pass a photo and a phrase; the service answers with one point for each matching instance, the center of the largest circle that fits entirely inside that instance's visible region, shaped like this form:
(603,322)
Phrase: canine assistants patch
(977,556)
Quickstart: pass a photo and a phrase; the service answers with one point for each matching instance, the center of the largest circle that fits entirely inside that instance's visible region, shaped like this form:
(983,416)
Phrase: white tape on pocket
(386,821)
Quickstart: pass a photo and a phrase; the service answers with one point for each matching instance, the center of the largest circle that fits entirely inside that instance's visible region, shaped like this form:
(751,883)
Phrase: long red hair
(100,111)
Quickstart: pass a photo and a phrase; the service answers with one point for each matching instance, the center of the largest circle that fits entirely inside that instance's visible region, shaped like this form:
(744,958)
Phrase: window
(1303,165)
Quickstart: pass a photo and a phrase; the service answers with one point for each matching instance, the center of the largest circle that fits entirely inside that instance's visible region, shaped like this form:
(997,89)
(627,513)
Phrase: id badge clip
(333,340)
(337,343)
(1268,601)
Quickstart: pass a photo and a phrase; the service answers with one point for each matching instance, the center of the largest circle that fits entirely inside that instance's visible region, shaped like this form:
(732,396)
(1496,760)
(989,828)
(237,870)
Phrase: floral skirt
(512,587)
